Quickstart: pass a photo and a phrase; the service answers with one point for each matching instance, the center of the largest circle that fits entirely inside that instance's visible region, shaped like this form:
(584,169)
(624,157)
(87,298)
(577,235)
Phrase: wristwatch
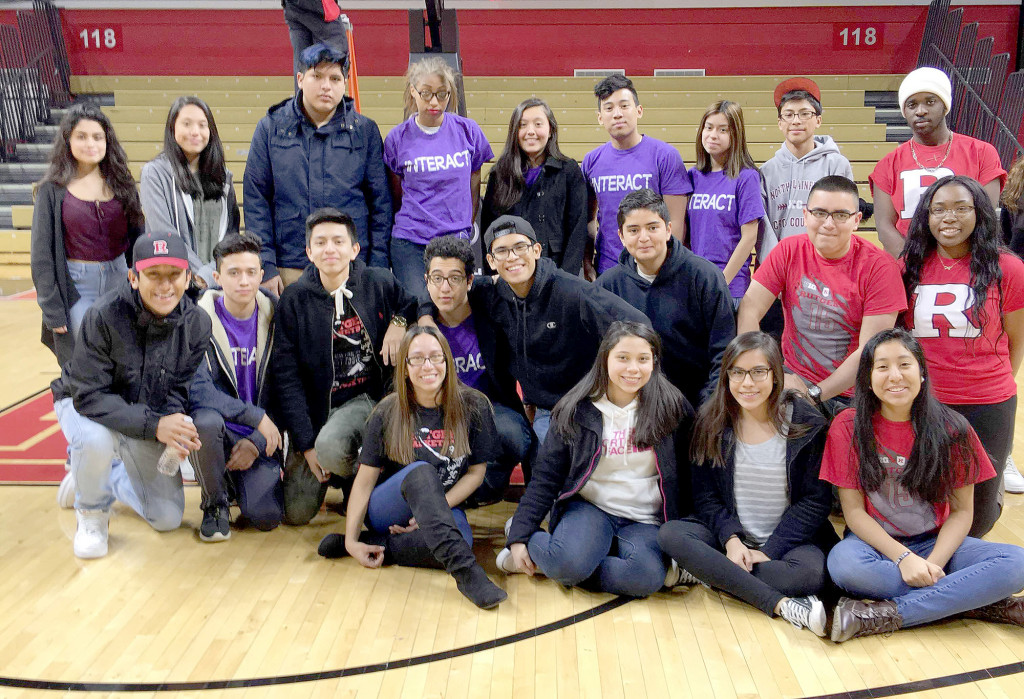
(814,392)
(401,322)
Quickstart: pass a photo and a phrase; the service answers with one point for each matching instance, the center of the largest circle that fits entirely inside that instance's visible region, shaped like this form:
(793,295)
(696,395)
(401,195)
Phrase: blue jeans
(387,506)
(580,548)
(407,264)
(978,574)
(92,280)
(517,447)
(158,499)
(541,424)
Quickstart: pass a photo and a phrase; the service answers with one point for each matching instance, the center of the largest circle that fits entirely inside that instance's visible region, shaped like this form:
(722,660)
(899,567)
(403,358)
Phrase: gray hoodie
(786,180)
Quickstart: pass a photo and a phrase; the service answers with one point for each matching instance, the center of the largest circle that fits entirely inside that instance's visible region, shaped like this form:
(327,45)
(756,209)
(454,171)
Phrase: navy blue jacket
(691,308)
(215,385)
(294,168)
(564,466)
(302,361)
(805,521)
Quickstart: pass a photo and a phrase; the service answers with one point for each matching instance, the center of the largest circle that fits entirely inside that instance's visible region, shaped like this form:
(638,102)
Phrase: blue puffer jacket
(294,168)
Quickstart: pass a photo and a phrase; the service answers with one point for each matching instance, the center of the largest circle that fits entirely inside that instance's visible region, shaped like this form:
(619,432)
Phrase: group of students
(661,447)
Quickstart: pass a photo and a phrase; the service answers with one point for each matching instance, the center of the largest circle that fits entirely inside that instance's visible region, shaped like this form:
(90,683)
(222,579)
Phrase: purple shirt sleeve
(672,172)
(749,205)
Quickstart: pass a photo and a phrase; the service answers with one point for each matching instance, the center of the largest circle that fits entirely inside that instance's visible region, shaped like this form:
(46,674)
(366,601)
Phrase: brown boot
(1005,611)
(853,618)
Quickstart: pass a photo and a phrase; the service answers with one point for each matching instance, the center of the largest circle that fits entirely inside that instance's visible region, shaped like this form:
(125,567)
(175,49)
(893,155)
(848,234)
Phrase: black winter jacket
(302,362)
(130,368)
(556,207)
(691,308)
(805,521)
(555,331)
(563,467)
(215,385)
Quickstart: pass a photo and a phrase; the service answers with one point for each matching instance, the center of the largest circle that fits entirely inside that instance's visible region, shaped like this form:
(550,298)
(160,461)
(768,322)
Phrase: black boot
(422,490)
(333,545)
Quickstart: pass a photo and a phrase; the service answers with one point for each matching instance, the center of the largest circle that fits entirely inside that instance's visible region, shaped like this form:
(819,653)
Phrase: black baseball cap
(506,225)
(154,249)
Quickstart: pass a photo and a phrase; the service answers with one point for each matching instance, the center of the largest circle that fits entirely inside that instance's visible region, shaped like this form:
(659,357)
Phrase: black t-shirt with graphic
(429,443)
(355,371)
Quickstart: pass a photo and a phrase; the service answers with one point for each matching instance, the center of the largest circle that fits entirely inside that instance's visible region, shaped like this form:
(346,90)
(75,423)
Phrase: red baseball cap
(805,84)
(154,249)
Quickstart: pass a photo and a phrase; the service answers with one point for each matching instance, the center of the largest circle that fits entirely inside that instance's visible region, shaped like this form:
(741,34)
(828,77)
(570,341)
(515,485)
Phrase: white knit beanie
(930,80)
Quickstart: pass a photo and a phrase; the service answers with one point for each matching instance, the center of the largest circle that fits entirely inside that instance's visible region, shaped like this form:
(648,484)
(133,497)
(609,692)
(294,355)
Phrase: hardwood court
(166,608)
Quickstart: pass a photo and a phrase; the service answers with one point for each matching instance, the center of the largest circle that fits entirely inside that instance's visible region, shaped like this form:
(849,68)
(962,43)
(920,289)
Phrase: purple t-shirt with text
(435,170)
(613,173)
(469,363)
(242,340)
(716,210)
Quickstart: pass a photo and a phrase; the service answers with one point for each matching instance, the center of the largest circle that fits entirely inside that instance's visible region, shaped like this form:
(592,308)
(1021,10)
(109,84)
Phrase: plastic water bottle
(170,462)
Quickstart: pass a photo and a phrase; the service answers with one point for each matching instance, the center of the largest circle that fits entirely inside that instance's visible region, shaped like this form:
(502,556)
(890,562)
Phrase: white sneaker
(506,564)
(679,576)
(1013,482)
(66,491)
(91,537)
(805,611)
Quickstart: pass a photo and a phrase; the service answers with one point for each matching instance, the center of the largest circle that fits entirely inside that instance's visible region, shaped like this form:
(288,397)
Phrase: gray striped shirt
(761,487)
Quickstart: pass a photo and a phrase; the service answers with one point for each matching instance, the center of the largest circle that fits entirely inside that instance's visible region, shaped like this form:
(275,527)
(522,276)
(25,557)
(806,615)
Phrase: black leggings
(799,573)
(994,424)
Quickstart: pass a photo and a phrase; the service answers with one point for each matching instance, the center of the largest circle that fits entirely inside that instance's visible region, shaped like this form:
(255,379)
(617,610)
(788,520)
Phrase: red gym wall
(728,41)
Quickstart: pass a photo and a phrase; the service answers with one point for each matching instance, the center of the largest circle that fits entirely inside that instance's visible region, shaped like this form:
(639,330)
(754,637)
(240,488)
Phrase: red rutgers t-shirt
(899,175)
(898,511)
(967,363)
(824,301)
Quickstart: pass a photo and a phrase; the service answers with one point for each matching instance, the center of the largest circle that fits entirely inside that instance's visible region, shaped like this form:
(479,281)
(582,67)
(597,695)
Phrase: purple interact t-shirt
(532,174)
(469,364)
(435,170)
(717,208)
(613,173)
(242,340)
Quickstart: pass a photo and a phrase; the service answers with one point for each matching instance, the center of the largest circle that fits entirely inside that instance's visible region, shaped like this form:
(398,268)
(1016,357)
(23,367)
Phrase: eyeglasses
(960,211)
(837,216)
(420,360)
(758,373)
(453,279)
(519,249)
(427,95)
(802,115)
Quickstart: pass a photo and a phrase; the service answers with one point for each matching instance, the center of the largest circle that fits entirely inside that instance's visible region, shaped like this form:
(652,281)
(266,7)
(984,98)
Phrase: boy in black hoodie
(338,331)
(684,295)
(124,394)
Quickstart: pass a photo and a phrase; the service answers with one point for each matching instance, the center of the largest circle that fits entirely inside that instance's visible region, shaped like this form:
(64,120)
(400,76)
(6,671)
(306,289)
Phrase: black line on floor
(893,690)
(315,676)
(16,403)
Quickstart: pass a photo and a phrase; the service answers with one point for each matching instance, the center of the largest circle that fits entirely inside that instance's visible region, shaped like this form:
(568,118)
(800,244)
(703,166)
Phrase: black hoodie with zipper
(302,359)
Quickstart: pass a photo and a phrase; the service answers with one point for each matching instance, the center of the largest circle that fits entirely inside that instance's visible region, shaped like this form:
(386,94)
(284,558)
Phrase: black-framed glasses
(802,115)
(519,249)
(452,279)
(758,373)
(441,95)
(960,211)
(420,360)
(839,216)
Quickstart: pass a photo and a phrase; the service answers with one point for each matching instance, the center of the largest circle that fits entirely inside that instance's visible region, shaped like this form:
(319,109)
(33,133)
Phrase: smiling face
(831,239)
(331,248)
(630,364)
(160,287)
(323,87)
(534,132)
(716,136)
(427,378)
(430,111)
(645,235)
(751,393)
(191,131)
(924,113)
(895,379)
(952,219)
(88,142)
(517,269)
(618,114)
(794,128)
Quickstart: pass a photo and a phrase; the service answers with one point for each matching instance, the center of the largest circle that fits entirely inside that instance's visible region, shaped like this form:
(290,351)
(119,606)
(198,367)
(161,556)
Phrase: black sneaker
(216,526)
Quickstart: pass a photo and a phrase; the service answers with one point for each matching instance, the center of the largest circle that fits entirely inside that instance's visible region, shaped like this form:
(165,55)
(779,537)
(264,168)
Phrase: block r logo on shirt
(914,184)
(949,301)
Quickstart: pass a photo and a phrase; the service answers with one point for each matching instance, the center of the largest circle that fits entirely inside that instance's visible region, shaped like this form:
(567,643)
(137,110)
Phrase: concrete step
(6,218)
(15,241)
(32,152)
(15,193)
(22,172)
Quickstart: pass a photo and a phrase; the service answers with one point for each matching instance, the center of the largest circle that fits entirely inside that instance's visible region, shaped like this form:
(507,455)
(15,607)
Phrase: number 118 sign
(864,37)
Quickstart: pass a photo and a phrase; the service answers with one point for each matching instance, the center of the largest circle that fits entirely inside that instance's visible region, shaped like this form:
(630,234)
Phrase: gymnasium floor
(263,616)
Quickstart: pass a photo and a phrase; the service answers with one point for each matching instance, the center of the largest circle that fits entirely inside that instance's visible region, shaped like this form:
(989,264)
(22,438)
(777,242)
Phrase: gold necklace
(955,262)
(949,147)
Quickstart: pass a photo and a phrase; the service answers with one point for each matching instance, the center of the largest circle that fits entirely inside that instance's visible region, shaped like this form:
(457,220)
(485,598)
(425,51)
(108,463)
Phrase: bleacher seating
(672,109)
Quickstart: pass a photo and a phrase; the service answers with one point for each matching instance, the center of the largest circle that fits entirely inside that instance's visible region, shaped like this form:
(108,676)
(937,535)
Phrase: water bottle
(170,462)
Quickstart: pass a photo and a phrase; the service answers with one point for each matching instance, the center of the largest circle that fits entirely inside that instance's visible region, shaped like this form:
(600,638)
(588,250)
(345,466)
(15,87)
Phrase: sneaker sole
(836,630)
(501,560)
(87,555)
(66,494)
(215,537)
(823,625)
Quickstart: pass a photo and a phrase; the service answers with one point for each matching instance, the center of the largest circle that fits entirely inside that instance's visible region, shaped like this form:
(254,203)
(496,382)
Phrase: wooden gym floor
(263,616)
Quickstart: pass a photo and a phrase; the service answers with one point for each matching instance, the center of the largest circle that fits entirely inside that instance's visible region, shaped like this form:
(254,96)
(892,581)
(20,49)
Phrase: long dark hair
(114,166)
(721,410)
(212,171)
(509,172)
(457,401)
(985,245)
(941,436)
(739,156)
(661,405)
